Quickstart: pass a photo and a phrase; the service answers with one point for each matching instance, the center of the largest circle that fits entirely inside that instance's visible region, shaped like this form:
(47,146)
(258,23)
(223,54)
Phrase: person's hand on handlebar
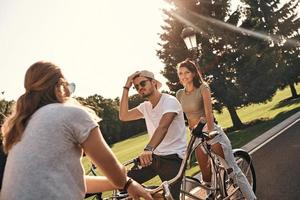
(136,191)
(145,158)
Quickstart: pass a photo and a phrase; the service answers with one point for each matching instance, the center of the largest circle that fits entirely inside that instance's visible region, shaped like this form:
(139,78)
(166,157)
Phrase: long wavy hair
(190,65)
(41,80)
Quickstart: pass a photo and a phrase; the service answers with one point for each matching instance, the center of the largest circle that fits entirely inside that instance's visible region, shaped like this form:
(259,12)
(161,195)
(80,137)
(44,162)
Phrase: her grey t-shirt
(45,164)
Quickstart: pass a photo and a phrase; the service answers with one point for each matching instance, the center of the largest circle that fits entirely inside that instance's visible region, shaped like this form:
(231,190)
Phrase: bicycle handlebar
(136,163)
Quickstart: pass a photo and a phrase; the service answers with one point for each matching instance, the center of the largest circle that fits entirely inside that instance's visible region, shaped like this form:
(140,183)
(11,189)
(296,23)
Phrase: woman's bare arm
(101,155)
(208,108)
(97,184)
(96,148)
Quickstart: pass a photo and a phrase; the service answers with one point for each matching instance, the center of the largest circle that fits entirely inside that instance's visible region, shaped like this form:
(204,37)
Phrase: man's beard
(147,95)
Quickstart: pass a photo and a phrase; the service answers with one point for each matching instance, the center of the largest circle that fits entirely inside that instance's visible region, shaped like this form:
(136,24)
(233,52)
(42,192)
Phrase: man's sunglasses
(142,84)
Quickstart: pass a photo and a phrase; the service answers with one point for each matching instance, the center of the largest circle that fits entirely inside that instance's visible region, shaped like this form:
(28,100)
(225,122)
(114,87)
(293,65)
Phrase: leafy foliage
(282,23)
(242,68)
(112,128)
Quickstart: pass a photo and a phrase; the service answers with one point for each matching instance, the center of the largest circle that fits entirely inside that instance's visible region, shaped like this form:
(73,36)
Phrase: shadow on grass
(287,102)
(257,127)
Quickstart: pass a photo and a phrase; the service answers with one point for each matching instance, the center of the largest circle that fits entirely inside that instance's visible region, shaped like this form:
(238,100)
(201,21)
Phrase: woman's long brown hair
(40,82)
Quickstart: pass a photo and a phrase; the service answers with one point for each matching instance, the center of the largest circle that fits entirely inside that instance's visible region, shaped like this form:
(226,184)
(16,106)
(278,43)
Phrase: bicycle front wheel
(244,161)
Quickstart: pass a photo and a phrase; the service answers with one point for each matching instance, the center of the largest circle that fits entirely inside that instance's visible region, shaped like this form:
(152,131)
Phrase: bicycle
(223,186)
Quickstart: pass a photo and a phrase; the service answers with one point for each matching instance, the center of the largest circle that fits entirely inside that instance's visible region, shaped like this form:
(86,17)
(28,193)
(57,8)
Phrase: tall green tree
(290,49)
(280,21)
(214,49)
(242,68)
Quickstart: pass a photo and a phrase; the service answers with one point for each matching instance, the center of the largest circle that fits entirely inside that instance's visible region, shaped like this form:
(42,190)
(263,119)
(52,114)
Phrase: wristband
(149,148)
(125,87)
(127,184)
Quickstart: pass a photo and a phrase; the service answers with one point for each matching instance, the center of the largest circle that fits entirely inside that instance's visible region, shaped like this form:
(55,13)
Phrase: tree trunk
(237,123)
(293,89)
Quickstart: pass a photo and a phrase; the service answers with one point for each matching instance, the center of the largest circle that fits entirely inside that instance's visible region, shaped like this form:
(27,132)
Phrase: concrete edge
(262,138)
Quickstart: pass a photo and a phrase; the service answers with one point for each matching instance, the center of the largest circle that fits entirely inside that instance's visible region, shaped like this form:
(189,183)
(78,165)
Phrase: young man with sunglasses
(163,114)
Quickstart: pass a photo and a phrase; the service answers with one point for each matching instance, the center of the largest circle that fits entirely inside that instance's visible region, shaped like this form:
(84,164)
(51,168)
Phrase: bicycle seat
(213,134)
(210,135)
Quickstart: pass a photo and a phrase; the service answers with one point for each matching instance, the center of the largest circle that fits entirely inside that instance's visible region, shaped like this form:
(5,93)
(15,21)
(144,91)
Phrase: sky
(97,43)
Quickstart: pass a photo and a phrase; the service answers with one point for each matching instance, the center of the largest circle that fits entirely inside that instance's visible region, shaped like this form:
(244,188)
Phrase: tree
(107,109)
(112,128)
(242,68)
(5,109)
(281,22)
(214,46)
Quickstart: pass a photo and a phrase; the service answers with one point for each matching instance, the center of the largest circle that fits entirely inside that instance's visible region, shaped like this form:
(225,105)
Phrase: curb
(250,146)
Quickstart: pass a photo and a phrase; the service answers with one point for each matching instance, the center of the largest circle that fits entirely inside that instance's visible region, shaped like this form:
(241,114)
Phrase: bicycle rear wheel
(244,162)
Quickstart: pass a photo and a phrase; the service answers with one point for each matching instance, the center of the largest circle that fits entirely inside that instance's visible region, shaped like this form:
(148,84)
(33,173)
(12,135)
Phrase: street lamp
(188,35)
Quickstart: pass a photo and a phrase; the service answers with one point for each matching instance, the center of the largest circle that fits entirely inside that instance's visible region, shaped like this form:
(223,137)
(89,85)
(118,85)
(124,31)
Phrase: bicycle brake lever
(136,163)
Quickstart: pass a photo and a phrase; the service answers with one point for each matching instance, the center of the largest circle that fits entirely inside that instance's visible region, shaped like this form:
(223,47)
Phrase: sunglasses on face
(142,84)
(71,86)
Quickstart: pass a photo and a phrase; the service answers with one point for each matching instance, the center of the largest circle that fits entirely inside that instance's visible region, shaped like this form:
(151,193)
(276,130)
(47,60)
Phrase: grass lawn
(260,117)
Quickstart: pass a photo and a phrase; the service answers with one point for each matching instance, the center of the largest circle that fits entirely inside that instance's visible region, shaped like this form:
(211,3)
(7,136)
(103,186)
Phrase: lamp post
(188,35)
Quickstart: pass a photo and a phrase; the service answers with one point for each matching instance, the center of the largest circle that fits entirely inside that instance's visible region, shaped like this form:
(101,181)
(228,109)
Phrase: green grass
(131,147)
(259,117)
(267,110)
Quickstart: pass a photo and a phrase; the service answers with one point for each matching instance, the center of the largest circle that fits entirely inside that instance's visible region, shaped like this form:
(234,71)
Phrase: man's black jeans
(166,167)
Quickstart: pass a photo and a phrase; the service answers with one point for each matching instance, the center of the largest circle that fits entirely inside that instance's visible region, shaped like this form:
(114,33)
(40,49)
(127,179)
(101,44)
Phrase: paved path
(277,166)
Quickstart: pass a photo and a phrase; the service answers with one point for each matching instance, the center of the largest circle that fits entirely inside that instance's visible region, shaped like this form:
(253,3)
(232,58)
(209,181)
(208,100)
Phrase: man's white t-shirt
(175,139)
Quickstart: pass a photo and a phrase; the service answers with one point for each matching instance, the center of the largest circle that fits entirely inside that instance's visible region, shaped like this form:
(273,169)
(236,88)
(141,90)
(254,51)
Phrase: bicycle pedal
(211,196)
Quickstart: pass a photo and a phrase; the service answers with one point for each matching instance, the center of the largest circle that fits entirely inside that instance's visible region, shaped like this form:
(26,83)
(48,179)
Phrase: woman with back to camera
(195,99)
(44,138)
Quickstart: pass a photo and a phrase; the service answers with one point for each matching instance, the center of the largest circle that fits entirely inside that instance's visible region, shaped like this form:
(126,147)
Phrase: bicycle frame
(218,165)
